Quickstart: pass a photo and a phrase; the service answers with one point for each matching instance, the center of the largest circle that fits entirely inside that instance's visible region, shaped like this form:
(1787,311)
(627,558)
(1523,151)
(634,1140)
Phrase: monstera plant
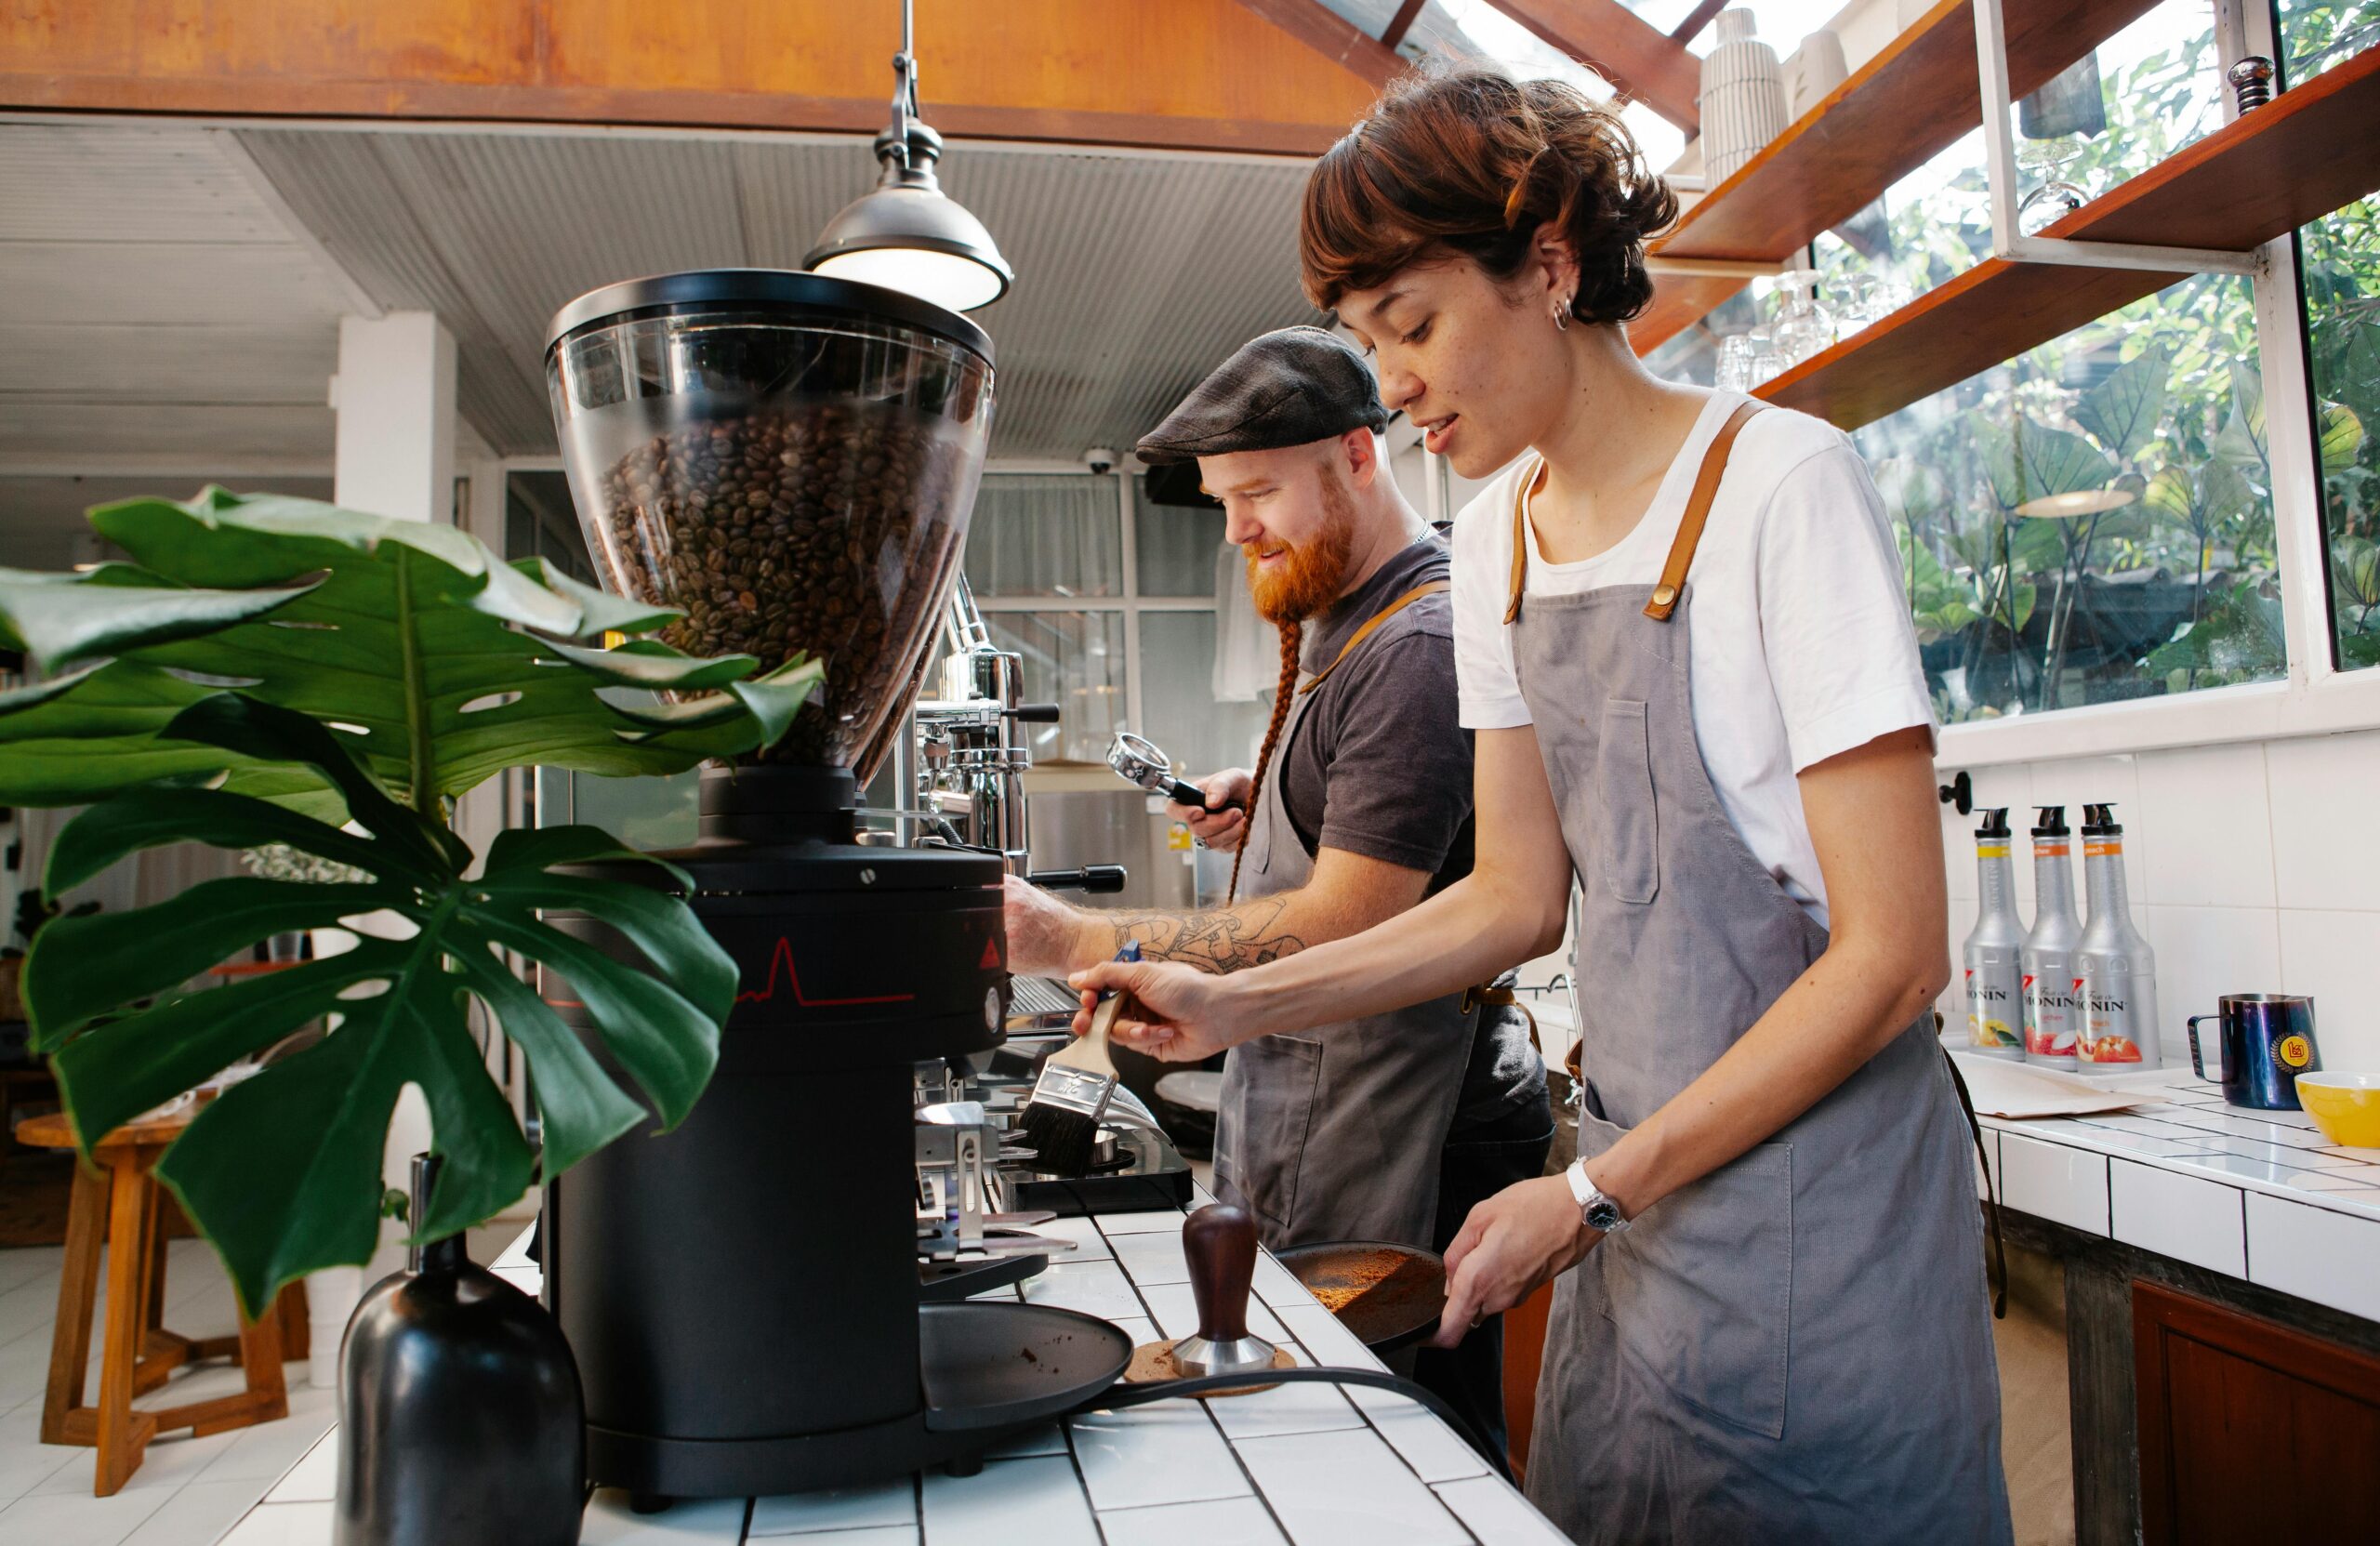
(275,671)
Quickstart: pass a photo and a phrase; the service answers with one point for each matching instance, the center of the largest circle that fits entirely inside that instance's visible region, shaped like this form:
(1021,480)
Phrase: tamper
(1220,1241)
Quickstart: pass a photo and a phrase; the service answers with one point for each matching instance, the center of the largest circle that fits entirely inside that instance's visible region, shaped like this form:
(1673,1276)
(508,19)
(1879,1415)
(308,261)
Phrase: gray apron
(1335,1133)
(1796,1347)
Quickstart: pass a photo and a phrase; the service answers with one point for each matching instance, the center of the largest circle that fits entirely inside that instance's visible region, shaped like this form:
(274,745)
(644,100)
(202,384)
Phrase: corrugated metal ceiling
(155,310)
(1136,273)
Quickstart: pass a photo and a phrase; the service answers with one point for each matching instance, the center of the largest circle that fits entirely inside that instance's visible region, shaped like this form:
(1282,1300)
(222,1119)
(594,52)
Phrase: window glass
(2092,521)
(1177,666)
(1175,546)
(1076,660)
(1045,535)
(2339,270)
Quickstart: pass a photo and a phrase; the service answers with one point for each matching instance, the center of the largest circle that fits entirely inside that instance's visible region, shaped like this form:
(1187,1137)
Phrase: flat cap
(1291,387)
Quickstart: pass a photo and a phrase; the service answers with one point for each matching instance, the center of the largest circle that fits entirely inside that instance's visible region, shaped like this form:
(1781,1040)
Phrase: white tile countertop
(1299,1465)
(2261,1196)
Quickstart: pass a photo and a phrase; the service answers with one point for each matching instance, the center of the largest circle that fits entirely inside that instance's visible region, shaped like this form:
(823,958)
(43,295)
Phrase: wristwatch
(1596,1207)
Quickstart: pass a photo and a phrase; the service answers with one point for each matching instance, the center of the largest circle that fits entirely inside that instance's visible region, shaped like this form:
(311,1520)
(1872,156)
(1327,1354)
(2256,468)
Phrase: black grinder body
(742,1292)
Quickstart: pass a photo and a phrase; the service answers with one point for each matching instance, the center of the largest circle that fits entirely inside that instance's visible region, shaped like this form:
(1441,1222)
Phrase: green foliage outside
(2155,412)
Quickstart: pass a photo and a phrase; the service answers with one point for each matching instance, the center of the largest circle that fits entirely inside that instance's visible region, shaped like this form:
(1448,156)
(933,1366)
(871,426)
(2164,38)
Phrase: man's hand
(1042,930)
(1526,1235)
(1222,822)
(1178,1013)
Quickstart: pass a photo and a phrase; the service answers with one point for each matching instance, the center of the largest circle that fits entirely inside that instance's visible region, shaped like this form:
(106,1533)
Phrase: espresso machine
(789,462)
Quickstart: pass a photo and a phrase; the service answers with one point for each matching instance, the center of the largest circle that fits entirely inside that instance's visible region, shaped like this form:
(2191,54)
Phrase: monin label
(1994,973)
(2114,969)
(2052,998)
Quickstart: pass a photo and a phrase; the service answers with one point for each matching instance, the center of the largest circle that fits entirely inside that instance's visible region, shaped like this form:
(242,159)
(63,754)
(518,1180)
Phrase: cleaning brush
(1062,1120)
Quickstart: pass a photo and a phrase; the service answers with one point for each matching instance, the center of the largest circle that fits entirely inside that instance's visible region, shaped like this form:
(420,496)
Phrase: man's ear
(1362,452)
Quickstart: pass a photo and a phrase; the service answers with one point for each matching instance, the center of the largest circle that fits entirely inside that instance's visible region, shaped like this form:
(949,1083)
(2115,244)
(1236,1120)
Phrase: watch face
(1603,1214)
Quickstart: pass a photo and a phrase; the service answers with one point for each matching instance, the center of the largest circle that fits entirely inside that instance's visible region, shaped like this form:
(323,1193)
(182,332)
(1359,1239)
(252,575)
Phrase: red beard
(1309,577)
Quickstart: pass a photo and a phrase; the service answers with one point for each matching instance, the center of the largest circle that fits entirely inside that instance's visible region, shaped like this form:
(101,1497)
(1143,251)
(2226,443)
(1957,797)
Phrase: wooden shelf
(2312,151)
(1902,107)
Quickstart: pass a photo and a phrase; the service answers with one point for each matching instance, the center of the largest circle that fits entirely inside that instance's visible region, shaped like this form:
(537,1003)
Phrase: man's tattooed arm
(1226,939)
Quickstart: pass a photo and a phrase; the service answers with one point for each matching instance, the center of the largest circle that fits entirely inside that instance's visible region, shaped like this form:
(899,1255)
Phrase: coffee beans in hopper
(816,530)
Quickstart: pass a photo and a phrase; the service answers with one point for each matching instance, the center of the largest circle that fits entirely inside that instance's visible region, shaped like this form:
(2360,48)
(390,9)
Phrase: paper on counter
(2000,1088)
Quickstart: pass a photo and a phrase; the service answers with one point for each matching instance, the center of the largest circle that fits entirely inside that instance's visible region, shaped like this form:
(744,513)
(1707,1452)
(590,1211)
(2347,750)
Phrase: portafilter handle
(1138,762)
(1097,878)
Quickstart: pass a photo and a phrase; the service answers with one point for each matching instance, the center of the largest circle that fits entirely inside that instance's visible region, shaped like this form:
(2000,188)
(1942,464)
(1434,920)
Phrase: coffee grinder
(790,462)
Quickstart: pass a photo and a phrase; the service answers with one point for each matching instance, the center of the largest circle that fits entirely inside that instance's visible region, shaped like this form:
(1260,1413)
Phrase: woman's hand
(1526,1235)
(1177,1013)
(1222,822)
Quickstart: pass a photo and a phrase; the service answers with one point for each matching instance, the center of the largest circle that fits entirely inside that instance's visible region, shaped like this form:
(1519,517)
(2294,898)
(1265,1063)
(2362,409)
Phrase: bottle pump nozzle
(1995,822)
(2049,821)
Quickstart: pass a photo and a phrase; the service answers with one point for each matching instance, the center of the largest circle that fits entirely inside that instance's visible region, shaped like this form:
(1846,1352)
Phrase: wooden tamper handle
(1220,1240)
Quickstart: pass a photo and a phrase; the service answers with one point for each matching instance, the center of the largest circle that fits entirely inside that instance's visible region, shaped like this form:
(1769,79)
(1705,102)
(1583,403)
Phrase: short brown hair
(1472,162)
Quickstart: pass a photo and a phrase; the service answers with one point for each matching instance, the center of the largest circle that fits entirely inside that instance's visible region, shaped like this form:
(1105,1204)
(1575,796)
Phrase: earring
(1562,316)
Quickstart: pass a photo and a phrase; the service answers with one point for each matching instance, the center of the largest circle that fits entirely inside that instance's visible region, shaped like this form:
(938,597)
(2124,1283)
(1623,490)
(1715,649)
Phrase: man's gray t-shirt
(1380,765)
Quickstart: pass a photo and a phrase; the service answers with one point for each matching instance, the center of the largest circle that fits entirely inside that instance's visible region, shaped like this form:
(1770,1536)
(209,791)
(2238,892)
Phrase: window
(2339,276)
(2103,518)
(2092,521)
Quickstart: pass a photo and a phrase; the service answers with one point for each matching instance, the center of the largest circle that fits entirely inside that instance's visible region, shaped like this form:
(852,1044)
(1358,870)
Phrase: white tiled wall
(2254,868)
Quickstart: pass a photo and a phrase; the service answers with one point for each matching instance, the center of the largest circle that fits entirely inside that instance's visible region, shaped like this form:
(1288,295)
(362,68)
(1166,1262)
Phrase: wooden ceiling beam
(1623,47)
(1696,19)
(1334,36)
(1182,74)
(1402,22)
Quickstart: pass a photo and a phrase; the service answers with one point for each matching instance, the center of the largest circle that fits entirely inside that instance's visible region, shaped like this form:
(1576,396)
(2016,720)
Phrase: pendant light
(907,234)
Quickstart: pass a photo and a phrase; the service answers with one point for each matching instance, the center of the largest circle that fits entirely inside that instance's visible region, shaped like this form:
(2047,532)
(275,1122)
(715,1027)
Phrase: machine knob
(1033,713)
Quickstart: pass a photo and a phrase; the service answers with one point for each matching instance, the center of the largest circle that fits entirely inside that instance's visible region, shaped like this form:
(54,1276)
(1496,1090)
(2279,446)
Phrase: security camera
(1098,458)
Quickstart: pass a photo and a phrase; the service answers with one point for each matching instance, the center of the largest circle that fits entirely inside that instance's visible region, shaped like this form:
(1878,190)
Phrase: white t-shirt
(1800,640)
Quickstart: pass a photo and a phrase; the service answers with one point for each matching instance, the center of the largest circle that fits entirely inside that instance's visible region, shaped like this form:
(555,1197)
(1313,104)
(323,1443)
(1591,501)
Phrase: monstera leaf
(435,662)
(263,671)
(283,1172)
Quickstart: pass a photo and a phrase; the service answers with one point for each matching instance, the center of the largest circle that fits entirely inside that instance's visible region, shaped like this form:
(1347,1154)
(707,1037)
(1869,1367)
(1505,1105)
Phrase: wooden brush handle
(1220,1241)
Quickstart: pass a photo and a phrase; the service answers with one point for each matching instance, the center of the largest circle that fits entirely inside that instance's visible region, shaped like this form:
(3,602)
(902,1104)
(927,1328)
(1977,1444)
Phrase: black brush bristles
(1061,1119)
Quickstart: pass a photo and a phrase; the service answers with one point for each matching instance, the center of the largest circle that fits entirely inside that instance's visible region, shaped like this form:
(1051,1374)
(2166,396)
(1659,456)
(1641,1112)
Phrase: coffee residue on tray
(1356,1278)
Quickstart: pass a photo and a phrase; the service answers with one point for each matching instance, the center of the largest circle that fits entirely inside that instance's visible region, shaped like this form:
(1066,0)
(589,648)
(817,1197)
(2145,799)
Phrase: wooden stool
(117,1205)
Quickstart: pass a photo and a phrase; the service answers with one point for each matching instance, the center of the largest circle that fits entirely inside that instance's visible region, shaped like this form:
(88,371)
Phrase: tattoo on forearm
(1225,940)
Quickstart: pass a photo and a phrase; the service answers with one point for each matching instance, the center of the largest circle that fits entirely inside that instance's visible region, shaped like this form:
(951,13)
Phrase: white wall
(2255,867)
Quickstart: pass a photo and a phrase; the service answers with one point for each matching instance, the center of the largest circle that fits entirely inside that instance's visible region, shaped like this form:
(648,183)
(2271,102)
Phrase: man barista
(1388,1128)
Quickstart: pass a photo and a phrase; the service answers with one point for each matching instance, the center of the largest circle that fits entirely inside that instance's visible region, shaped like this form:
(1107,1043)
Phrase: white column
(394,394)
(395,397)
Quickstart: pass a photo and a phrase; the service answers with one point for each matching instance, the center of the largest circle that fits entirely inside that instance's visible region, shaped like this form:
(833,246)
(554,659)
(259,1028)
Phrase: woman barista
(1681,638)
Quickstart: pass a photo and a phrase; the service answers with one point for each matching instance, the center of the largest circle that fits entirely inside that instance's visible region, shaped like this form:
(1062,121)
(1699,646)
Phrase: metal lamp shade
(914,239)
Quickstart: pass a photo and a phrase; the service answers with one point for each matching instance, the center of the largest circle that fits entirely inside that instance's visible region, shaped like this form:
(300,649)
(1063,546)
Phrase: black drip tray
(994,1364)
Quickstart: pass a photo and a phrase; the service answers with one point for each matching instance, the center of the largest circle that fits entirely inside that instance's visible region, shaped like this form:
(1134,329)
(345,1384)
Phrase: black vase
(460,1417)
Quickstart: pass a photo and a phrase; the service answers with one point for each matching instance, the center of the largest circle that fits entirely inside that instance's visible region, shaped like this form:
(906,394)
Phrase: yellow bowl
(2345,1106)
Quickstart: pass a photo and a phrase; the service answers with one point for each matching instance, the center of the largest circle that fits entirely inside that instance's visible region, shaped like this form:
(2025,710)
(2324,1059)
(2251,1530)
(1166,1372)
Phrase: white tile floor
(188,1491)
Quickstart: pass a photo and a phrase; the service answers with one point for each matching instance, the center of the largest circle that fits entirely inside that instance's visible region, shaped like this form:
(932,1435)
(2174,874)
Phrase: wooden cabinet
(2250,1430)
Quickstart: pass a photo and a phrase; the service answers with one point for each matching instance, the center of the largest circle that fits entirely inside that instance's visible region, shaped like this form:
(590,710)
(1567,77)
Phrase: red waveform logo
(781,962)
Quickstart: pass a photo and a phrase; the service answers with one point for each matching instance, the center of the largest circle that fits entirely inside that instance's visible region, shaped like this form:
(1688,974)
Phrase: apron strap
(1698,511)
(1520,539)
(1991,1201)
(1375,620)
(1689,528)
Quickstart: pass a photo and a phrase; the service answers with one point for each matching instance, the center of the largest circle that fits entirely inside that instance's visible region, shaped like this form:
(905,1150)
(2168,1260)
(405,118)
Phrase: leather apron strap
(1375,620)
(1689,527)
